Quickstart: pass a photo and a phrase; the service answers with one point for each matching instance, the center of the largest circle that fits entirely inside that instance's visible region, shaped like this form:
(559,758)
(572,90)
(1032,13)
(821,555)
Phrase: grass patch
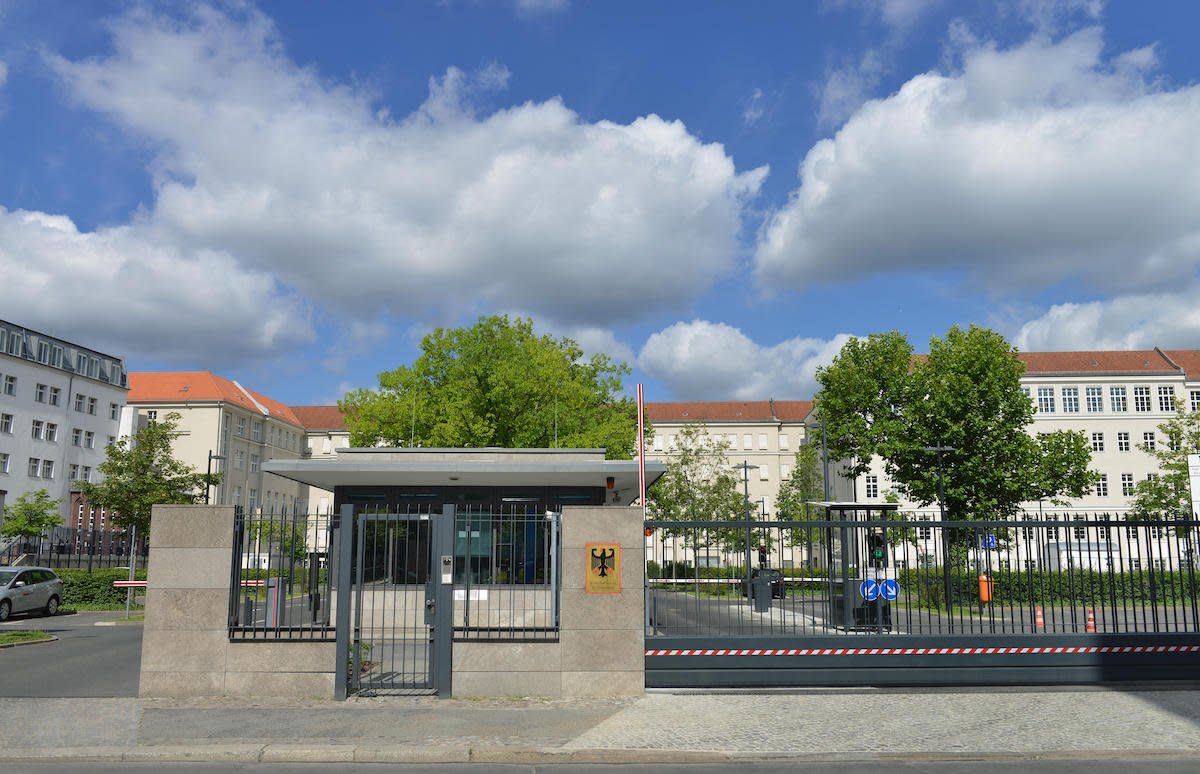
(23,635)
(132,618)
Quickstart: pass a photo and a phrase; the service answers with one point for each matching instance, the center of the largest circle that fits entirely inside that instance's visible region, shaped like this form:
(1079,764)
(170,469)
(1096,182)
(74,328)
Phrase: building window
(79,401)
(35,467)
(37,429)
(252,502)
(73,473)
(1151,476)
(747,441)
(1135,564)
(51,432)
(1166,398)
(1070,397)
(77,437)
(89,440)
(55,396)
(152,415)
(1097,442)
(10,385)
(658,443)
(327,445)
(253,463)
(1126,484)
(1141,398)
(39,393)
(1025,391)
(1102,485)
(1148,441)
(1095,400)
(1194,399)
(783,442)
(113,410)
(85,473)
(1046,400)
(92,406)
(256,431)
(924,533)
(56,357)
(670,443)
(784,472)
(1116,397)
(1122,441)
(239,459)
(764,472)
(241,427)
(3,462)
(6,423)
(872,487)
(47,468)
(237,495)
(733,440)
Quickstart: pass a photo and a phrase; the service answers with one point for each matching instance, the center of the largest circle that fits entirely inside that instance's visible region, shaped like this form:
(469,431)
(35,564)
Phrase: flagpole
(641,420)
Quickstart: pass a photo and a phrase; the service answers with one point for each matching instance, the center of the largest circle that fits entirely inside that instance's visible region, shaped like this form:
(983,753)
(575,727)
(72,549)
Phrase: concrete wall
(601,646)
(185,648)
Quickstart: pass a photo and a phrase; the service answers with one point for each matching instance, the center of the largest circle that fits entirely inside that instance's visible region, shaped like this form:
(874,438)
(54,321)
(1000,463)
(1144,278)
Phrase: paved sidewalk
(816,725)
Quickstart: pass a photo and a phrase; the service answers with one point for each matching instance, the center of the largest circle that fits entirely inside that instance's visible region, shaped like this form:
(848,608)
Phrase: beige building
(241,429)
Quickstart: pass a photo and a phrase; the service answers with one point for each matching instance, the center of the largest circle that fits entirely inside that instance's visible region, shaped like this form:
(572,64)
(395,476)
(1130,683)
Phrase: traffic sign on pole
(889,589)
(869,590)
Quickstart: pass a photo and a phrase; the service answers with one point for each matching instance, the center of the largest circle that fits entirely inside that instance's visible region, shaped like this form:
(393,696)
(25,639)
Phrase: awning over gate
(470,467)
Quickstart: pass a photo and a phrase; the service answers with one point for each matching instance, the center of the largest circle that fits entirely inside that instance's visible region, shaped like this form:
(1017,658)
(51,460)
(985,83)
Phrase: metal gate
(867,597)
(395,610)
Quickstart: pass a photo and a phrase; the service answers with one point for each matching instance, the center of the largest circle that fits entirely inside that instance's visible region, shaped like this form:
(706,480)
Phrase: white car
(29,589)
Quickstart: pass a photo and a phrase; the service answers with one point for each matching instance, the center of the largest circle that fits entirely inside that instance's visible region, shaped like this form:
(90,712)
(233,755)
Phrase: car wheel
(5,609)
(51,606)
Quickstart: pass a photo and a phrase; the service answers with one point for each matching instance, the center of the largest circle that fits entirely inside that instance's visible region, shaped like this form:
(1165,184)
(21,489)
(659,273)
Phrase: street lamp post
(938,450)
(746,467)
(208,473)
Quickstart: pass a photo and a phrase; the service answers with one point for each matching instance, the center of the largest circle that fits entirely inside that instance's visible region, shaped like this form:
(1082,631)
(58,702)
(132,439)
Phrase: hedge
(926,587)
(81,587)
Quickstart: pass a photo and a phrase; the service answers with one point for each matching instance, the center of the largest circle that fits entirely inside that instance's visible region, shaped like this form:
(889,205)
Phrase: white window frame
(37,429)
(1095,400)
(6,423)
(39,392)
(5,459)
(89,440)
(1118,399)
(871,487)
(1070,400)
(1166,398)
(1045,400)
(1149,440)
(1097,442)
(55,396)
(48,469)
(1101,489)
(1123,444)
(51,432)
(1127,484)
(1141,399)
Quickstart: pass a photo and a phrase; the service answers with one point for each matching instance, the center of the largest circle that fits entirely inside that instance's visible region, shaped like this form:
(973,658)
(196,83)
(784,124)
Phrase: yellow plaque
(603,568)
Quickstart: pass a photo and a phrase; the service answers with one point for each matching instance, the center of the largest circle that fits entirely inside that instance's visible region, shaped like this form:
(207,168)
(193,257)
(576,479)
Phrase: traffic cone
(1038,621)
(1091,622)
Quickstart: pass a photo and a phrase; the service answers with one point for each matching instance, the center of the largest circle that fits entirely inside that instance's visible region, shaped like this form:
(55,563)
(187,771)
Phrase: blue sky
(290,194)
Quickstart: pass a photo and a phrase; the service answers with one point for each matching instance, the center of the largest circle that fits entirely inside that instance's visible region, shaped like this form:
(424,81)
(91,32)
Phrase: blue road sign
(869,590)
(889,589)
(987,541)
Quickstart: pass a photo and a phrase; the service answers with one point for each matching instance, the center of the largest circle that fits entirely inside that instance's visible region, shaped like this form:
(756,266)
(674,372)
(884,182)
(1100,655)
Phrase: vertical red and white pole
(641,439)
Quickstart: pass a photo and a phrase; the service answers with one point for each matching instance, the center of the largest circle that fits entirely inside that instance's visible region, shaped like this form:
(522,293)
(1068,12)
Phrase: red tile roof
(729,411)
(180,386)
(1110,362)
(1187,359)
(320,417)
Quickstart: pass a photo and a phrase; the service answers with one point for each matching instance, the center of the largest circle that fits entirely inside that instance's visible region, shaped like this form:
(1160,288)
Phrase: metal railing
(506,573)
(75,548)
(280,586)
(1083,574)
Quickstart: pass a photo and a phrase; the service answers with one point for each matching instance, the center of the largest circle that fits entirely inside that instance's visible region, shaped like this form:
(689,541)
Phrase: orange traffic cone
(1038,621)
(1091,622)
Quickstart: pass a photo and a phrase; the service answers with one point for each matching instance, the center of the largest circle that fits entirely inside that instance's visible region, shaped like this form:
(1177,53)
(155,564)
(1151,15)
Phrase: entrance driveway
(86,661)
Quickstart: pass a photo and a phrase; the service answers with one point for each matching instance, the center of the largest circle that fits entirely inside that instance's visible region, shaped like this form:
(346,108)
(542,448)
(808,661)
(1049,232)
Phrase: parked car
(778,589)
(28,590)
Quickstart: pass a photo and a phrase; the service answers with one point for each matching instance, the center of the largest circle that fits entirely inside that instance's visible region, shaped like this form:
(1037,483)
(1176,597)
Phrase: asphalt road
(86,661)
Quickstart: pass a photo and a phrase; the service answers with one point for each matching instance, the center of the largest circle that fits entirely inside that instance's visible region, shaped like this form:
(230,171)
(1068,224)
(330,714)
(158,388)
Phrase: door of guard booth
(400,640)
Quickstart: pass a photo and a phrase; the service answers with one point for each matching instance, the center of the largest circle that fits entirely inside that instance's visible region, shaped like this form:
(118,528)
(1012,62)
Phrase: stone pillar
(185,646)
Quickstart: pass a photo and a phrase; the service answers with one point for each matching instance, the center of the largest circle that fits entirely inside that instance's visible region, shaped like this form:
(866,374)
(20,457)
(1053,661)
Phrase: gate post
(442,570)
(344,533)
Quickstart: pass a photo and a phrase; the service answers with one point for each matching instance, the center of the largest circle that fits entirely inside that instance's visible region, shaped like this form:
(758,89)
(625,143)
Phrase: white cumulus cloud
(701,360)
(1028,166)
(1137,321)
(304,179)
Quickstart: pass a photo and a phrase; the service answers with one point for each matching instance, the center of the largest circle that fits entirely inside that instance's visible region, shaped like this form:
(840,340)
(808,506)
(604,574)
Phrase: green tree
(31,516)
(497,383)
(699,485)
(143,472)
(1169,494)
(877,399)
(799,493)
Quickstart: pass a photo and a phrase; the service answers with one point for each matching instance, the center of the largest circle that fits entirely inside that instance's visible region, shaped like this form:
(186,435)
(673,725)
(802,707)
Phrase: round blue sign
(889,589)
(869,590)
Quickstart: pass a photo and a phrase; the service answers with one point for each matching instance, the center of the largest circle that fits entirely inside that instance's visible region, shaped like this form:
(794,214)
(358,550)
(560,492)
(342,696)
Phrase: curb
(349,753)
(49,638)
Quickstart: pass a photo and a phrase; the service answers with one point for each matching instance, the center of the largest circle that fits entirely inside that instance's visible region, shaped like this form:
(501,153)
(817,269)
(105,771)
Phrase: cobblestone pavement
(812,725)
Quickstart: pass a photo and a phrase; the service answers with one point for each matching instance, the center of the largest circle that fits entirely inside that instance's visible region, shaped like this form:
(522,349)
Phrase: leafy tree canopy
(1169,494)
(31,516)
(497,383)
(876,398)
(143,472)
(800,491)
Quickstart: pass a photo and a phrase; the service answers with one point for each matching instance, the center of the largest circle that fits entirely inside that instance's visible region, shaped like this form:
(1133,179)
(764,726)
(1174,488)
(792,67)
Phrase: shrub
(94,589)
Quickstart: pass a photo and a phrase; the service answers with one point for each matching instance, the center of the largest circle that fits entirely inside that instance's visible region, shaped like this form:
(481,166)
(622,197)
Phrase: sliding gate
(864,597)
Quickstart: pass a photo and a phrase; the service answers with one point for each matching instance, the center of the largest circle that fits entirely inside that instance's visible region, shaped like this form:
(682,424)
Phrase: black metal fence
(506,577)
(75,548)
(280,586)
(1058,574)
